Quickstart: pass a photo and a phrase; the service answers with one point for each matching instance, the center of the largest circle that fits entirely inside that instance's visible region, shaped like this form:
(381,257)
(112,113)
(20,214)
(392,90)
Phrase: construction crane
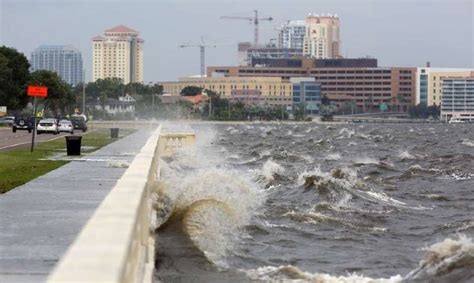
(202,47)
(255,20)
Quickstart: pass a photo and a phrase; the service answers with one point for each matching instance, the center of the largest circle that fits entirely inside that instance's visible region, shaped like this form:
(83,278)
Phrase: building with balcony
(291,35)
(118,54)
(457,100)
(428,83)
(65,60)
(322,38)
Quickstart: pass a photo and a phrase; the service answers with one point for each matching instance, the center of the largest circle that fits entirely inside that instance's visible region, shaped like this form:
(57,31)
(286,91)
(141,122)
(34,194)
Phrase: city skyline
(400,37)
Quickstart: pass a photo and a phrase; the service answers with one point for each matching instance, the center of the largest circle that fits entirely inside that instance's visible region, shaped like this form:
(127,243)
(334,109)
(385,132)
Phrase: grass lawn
(19,166)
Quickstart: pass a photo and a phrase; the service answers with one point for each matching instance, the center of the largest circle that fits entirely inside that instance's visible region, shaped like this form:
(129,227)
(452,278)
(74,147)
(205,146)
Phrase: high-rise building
(321,38)
(457,99)
(118,54)
(291,35)
(65,60)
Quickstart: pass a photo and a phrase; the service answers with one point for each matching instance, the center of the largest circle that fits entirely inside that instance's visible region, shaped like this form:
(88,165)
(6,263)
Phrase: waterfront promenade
(40,219)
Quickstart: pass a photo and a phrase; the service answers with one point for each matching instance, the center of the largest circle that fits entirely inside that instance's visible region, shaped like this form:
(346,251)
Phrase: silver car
(47,126)
(65,126)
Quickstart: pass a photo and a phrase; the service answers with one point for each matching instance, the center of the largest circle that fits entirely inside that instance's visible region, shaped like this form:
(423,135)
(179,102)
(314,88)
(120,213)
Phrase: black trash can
(73,145)
(114,133)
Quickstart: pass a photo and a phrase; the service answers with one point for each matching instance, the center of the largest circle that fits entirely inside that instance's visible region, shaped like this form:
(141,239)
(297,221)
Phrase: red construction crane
(255,20)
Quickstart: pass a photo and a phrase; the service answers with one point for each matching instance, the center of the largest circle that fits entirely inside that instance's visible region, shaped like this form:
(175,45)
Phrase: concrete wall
(116,244)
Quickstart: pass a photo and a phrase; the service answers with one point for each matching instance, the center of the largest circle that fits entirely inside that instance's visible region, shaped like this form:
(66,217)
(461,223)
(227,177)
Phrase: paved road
(40,219)
(10,140)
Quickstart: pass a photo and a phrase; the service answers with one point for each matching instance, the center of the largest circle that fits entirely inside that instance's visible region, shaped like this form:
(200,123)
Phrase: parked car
(65,126)
(79,123)
(23,123)
(9,120)
(47,126)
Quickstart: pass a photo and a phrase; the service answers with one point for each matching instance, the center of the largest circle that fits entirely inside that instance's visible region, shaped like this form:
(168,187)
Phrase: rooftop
(121,28)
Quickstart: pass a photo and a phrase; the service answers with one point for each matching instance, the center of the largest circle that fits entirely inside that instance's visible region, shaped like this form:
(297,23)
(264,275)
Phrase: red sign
(40,91)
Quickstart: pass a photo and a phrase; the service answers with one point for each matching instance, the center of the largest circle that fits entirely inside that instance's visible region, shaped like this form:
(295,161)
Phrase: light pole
(83,91)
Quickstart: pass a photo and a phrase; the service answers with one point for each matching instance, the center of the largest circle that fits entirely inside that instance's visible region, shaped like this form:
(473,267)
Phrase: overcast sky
(396,32)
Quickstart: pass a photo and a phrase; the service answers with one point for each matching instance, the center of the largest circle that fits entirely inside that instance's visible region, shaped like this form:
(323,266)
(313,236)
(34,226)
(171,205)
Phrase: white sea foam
(365,160)
(468,142)
(269,170)
(333,156)
(406,155)
(292,273)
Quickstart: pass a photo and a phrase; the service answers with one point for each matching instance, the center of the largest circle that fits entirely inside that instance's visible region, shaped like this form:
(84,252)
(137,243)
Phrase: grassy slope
(19,166)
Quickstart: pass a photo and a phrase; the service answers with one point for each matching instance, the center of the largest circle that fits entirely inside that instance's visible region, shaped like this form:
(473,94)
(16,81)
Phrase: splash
(451,260)
(212,203)
(269,171)
(293,273)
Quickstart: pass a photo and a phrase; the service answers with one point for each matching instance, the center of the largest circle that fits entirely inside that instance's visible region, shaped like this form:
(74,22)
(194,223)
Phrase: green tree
(191,91)
(14,75)
(60,96)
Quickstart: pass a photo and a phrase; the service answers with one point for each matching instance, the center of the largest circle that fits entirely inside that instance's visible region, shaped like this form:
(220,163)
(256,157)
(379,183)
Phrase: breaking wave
(212,204)
(451,260)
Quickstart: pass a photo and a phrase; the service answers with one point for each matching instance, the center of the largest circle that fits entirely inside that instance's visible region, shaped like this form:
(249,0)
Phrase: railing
(169,142)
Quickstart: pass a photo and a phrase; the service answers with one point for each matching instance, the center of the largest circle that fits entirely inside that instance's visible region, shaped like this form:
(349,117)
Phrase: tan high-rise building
(118,54)
(321,39)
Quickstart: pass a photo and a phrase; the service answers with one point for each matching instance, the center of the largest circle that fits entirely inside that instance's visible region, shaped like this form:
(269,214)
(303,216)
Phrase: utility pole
(84,91)
(210,106)
(34,124)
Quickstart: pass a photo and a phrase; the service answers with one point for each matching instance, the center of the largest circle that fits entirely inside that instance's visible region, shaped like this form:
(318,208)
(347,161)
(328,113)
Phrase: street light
(83,91)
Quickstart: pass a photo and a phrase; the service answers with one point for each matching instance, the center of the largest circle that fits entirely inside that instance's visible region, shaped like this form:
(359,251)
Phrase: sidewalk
(40,219)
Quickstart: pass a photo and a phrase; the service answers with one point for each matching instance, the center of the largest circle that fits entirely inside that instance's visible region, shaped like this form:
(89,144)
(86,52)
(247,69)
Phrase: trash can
(73,145)
(114,133)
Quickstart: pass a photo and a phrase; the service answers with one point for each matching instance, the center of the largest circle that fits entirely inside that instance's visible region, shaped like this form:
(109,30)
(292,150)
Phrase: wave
(340,181)
(333,156)
(349,133)
(293,273)
(406,155)
(269,171)
(212,204)
(468,142)
(451,260)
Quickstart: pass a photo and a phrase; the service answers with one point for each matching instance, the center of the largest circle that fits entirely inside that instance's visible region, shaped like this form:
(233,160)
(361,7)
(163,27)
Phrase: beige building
(429,88)
(250,90)
(321,39)
(118,54)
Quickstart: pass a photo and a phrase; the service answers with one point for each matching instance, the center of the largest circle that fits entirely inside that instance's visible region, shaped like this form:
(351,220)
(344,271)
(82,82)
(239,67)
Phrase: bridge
(116,241)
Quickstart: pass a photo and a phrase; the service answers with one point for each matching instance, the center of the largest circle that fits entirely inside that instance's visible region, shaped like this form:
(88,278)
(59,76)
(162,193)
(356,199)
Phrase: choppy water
(311,202)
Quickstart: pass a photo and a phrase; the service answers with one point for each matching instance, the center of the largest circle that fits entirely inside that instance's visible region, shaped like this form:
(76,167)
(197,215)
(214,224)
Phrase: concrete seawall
(116,245)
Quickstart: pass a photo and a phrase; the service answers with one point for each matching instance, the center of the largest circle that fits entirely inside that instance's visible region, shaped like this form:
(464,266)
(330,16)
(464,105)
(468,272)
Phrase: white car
(47,126)
(65,126)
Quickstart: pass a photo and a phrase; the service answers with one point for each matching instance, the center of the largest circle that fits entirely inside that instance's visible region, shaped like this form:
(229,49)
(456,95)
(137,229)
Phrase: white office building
(65,60)
(291,35)
(457,99)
